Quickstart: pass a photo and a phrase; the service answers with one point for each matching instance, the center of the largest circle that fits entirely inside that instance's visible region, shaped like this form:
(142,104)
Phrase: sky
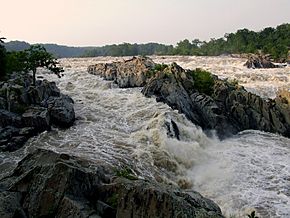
(100,22)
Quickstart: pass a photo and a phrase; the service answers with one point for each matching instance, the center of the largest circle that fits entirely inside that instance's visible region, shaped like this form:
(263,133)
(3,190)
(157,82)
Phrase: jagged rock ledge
(47,184)
(26,110)
(261,61)
(227,108)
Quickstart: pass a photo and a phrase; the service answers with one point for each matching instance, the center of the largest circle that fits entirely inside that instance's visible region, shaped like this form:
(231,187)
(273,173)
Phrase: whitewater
(250,171)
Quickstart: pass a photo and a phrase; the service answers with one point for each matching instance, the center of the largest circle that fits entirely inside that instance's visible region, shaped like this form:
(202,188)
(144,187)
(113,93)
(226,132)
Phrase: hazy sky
(99,22)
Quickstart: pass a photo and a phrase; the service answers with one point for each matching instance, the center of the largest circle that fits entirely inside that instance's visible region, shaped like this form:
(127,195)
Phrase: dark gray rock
(228,110)
(8,118)
(10,205)
(61,110)
(36,117)
(59,185)
(259,61)
(32,108)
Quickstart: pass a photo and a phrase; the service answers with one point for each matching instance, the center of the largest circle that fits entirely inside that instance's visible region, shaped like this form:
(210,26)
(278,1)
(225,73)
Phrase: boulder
(47,184)
(61,110)
(36,117)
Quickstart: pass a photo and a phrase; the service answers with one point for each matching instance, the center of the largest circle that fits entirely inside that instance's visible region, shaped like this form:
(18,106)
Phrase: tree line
(273,41)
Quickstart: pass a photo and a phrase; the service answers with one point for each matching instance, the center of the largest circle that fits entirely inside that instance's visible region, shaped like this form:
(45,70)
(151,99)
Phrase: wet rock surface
(29,110)
(228,109)
(48,184)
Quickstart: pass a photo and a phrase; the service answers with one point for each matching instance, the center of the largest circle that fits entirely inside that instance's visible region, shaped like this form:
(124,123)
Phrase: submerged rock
(32,107)
(47,184)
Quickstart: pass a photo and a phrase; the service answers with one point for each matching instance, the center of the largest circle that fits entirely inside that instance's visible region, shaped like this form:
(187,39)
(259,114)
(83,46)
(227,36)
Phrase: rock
(8,118)
(37,117)
(31,108)
(59,185)
(7,133)
(14,143)
(3,103)
(175,87)
(255,61)
(130,73)
(228,110)
(10,205)
(61,110)
(12,138)
(250,111)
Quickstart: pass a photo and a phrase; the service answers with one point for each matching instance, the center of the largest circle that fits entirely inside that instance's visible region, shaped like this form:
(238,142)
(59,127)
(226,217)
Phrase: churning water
(250,171)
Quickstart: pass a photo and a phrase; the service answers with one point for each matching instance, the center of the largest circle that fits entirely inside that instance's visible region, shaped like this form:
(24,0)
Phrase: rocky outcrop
(259,61)
(25,107)
(131,73)
(250,111)
(175,87)
(47,184)
(226,108)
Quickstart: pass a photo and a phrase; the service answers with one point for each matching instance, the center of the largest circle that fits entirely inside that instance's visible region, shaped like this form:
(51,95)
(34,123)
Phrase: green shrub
(160,67)
(157,68)
(126,173)
(203,81)
(113,200)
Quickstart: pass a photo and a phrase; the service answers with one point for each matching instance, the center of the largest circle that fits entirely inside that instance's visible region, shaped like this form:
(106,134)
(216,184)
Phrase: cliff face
(228,108)
(26,110)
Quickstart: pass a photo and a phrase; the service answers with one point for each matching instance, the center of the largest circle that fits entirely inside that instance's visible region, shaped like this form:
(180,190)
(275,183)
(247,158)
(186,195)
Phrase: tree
(37,56)
(2,59)
(1,39)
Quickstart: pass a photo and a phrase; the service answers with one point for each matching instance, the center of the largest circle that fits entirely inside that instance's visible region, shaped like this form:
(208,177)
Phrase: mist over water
(250,171)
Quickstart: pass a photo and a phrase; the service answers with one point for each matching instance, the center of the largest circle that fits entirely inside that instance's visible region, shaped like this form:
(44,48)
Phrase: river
(250,171)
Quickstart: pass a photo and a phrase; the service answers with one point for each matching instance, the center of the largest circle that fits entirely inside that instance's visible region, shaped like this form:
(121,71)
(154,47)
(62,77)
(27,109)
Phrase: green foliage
(28,60)
(113,200)
(37,56)
(203,81)
(160,67)
(126,173)
(157,68)
(15,61)
(252,215)
(127,49)
(274,41)
(2,62)
(269,41)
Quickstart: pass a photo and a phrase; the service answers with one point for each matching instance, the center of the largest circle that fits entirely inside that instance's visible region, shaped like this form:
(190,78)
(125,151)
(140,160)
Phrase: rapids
(250,171)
